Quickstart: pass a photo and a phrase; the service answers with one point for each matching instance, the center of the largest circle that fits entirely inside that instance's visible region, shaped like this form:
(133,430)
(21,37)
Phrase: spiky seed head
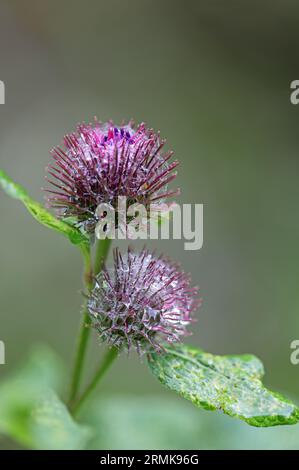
(144,301)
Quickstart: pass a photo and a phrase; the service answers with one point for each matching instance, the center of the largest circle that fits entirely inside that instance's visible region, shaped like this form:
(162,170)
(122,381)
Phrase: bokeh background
(214,77)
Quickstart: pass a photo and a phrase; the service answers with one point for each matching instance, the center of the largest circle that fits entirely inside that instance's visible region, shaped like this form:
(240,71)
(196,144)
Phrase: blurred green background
(214,77)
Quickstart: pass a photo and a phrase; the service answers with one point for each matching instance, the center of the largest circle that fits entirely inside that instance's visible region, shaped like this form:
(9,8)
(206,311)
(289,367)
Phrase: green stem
(83,338)
(84,330)
(101,254)
(84,333)
(111,354)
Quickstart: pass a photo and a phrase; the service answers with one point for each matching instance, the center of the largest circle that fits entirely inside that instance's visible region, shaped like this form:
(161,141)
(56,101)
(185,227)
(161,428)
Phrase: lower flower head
(142,302)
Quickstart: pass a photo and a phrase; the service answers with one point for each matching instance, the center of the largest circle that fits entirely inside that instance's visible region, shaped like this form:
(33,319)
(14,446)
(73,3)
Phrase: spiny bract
(100,162)
(142,302)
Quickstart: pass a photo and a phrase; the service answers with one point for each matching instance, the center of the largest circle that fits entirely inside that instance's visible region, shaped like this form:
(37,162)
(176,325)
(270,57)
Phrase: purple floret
(100,162)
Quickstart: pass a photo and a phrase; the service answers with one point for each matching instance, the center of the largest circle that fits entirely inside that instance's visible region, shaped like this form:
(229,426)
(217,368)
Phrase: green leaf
(231,384)
(31,412)
(44,217)
(52,426)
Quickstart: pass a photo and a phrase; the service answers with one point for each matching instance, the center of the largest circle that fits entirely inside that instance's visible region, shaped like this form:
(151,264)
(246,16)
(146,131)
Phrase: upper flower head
(100,162)
(142,302)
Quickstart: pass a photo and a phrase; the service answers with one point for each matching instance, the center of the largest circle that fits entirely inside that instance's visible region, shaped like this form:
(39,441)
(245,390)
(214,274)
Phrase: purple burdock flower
(142,302)
(100,162)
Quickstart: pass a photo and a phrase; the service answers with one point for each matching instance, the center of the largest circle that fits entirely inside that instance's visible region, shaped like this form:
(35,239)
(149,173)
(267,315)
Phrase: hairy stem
(84,333)
(111,354)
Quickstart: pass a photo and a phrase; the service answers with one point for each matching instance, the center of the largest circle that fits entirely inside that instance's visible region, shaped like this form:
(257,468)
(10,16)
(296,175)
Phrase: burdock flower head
(142,302)
(100,162)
